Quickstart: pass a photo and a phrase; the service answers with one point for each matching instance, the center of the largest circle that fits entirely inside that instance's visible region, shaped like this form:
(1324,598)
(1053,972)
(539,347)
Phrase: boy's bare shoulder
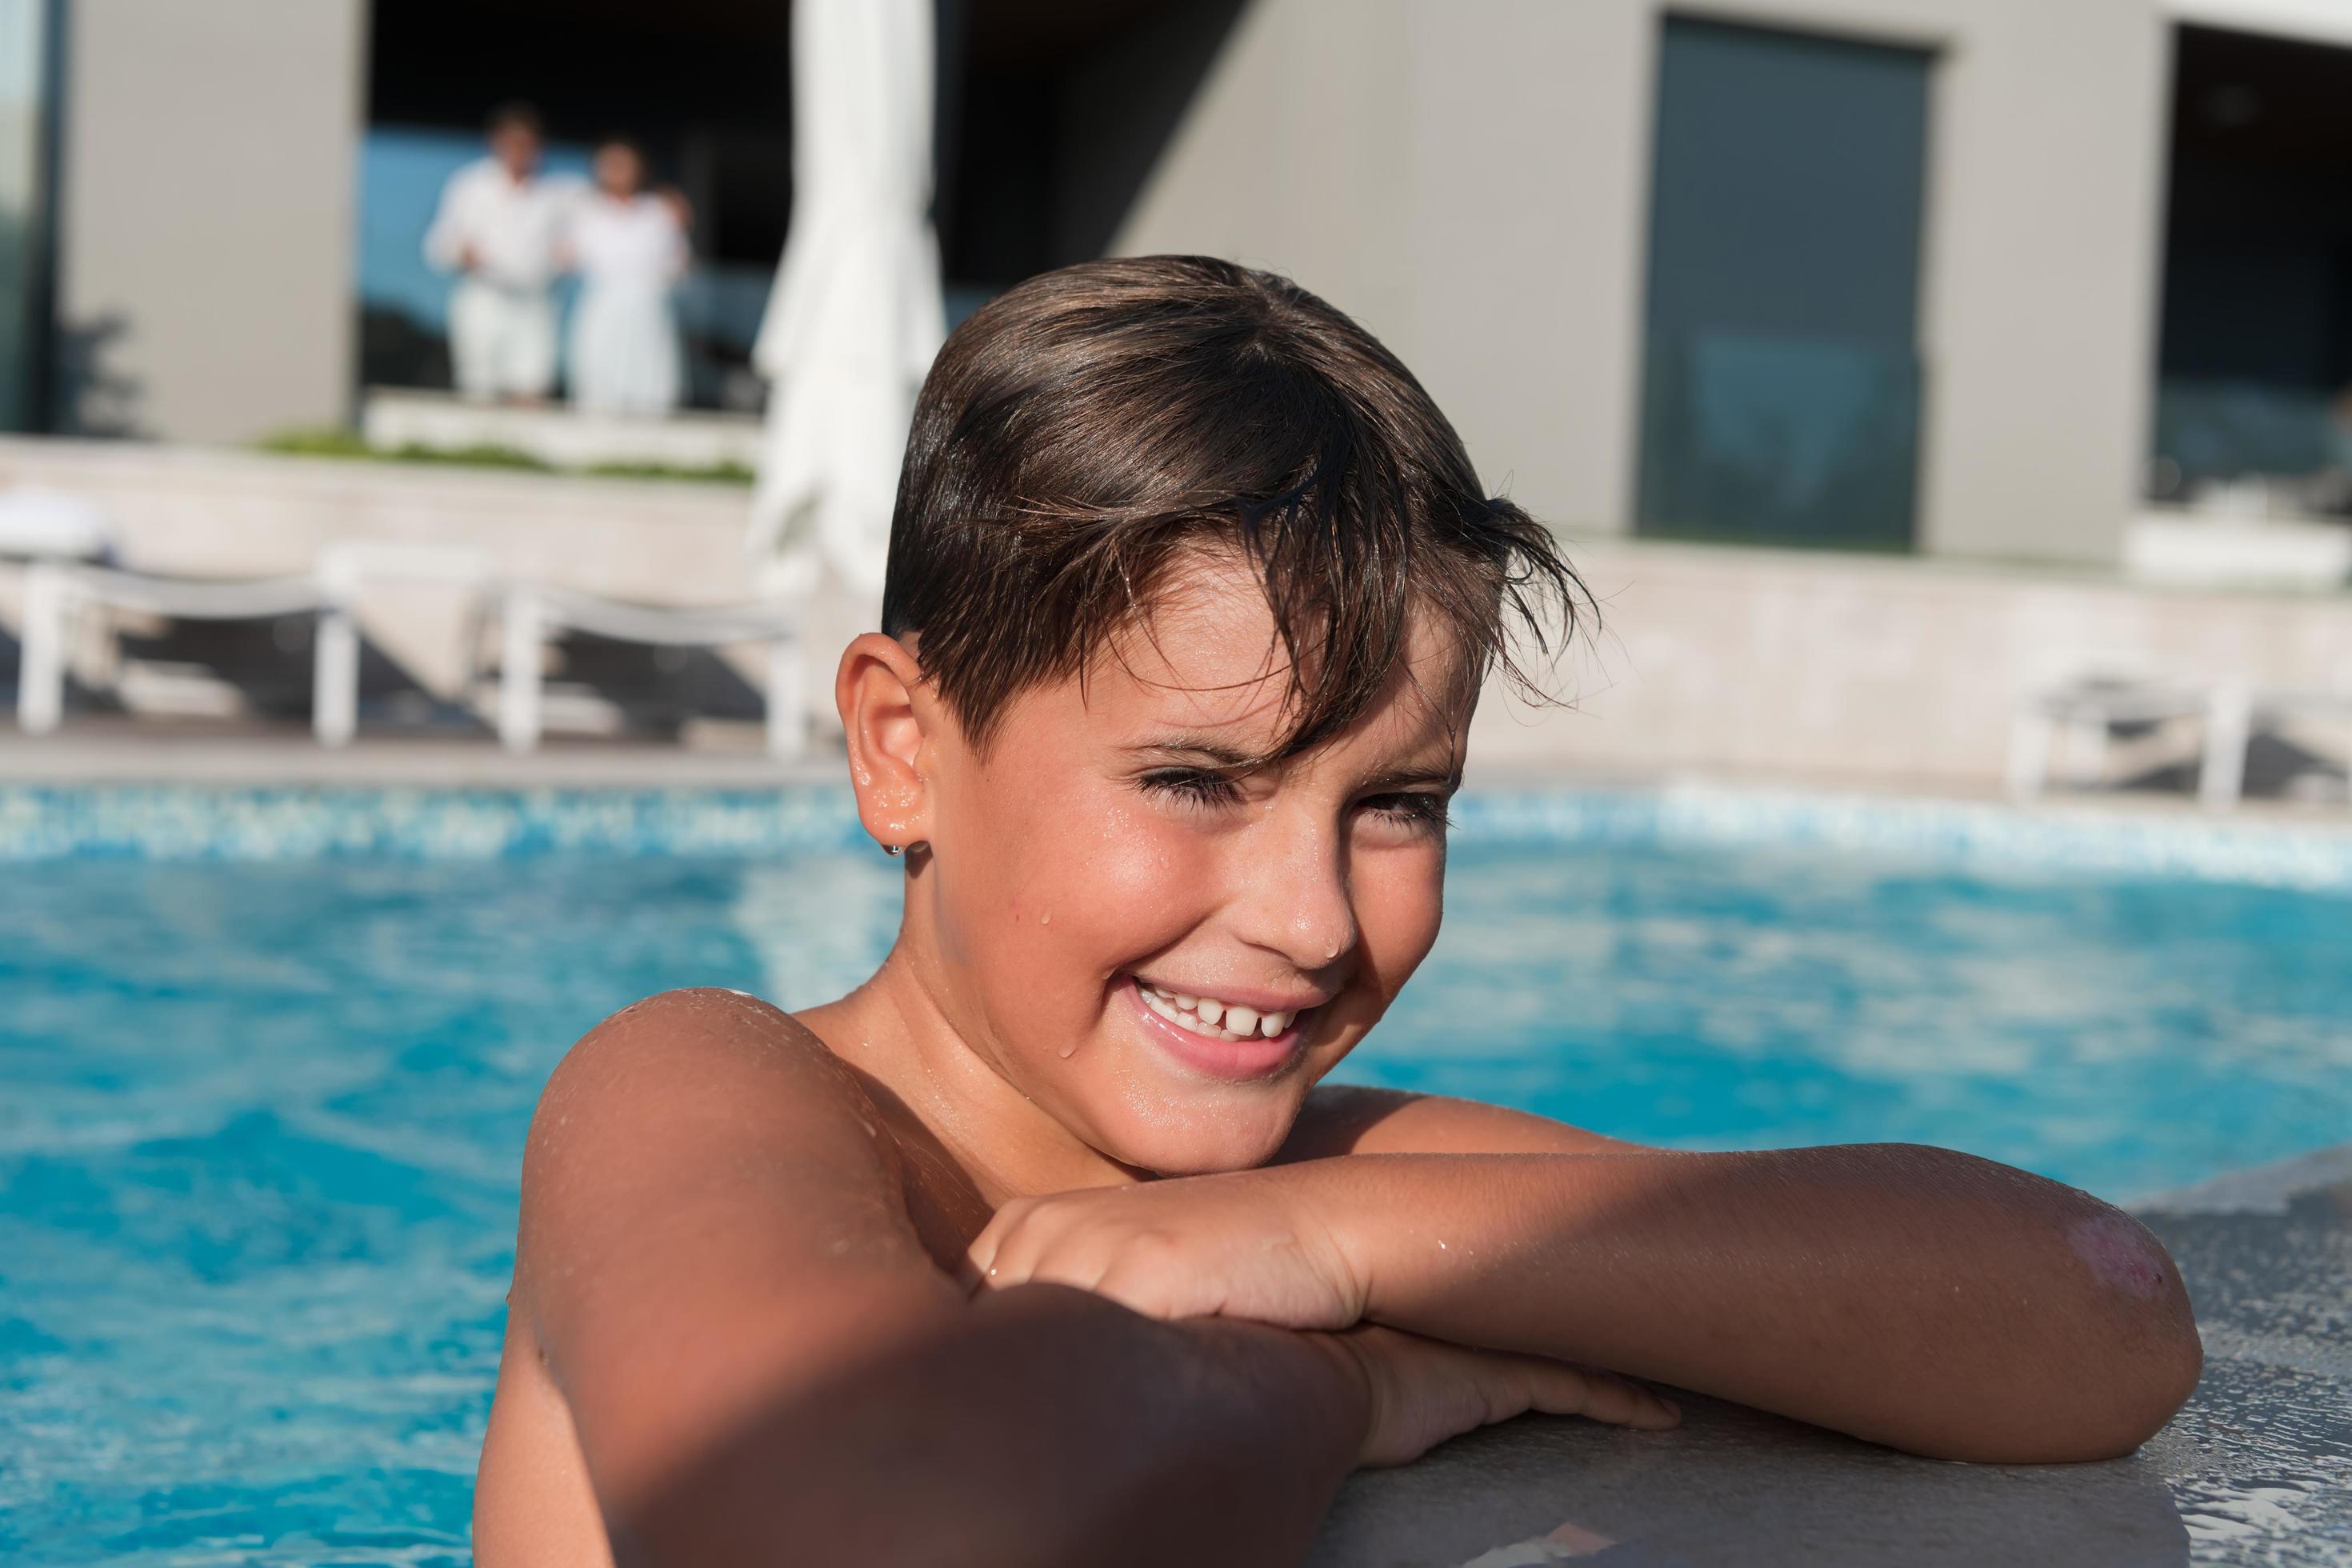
(710,1206)
(699,1153)
(699,1023)
(713,1059)
(709,1011)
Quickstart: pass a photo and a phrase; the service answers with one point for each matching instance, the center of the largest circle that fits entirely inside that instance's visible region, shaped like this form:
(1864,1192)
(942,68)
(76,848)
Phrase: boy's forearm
(1913,1296)
(1047,1426)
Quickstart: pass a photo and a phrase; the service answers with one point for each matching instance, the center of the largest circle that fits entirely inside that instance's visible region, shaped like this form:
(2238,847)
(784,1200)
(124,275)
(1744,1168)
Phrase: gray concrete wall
(1471,179)
(1117,108)
(204,249)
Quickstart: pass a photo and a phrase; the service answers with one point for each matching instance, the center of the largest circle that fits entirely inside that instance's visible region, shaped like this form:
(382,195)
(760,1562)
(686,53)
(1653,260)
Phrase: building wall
(204,264)
(1471,180)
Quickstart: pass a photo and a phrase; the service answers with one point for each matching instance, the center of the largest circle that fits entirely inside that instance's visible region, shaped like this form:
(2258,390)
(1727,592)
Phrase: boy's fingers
(986,1257)
(995,1260)
(971,1269)
(1561,1390)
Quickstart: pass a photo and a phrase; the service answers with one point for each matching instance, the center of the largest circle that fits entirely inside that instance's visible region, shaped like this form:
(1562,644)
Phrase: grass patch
(712,474)
(341,442)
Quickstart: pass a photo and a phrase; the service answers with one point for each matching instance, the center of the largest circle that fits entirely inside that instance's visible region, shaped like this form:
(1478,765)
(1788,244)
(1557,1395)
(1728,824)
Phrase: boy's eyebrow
(1225,759)
(1399,778)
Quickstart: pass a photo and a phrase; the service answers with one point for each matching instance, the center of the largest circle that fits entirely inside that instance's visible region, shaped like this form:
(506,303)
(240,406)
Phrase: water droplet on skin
(1046,919)
(1070,1050)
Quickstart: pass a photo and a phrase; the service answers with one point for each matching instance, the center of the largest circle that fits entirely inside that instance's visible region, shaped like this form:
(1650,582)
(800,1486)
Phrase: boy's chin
(1198,1145)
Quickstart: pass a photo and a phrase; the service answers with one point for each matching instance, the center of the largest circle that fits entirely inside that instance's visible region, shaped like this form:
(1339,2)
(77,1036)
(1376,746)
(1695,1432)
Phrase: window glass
(1781,386)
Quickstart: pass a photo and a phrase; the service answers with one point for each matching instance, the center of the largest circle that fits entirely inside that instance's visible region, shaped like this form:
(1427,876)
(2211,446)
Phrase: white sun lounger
(2232,713)
(58,591)
(530,613)
(2082,709)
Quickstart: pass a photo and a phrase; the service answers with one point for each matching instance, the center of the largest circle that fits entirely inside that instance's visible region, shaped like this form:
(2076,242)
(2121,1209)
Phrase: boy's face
(1162,953)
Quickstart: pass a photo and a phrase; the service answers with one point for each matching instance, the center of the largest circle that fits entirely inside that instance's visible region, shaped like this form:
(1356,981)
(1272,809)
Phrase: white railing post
(41,668)
(2228,730)
(335,678)
(518,676)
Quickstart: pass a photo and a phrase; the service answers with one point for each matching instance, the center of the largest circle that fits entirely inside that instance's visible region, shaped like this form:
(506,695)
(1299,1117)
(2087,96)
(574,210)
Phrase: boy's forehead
(1206,656)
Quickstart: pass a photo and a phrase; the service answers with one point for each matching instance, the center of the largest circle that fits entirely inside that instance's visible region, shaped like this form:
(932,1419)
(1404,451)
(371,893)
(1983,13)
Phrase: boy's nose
(1296,901)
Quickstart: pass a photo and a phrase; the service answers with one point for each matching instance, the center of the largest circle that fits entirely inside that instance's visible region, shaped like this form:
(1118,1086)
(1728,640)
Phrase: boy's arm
(763,1364)
(1913,1296)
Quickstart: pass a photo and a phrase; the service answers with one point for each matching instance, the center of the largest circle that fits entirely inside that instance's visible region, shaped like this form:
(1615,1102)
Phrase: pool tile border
(1953,835)
(168,822)
(183,822)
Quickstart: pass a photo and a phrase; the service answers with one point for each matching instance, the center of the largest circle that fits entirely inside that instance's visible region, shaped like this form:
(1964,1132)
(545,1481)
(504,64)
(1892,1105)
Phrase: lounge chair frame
(531,614)
(57,593)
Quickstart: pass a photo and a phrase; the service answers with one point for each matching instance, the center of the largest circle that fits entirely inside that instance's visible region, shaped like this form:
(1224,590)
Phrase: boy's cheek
(1400,902)
(1044,929)
(1121,885)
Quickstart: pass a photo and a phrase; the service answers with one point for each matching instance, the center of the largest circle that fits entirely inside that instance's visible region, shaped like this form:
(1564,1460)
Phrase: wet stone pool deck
(2256,1469)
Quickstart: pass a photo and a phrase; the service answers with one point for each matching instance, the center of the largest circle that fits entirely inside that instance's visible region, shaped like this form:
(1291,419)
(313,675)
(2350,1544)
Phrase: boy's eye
(1422,810)
(1419,811)
(1199,785)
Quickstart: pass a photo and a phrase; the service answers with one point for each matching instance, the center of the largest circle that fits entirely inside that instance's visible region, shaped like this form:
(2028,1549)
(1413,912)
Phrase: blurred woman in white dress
(629,247)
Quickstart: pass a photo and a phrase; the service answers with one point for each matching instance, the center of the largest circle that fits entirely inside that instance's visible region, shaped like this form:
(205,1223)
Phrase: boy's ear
(883,712)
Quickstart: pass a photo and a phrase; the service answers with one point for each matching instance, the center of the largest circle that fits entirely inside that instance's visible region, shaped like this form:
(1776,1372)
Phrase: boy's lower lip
(1236,1060)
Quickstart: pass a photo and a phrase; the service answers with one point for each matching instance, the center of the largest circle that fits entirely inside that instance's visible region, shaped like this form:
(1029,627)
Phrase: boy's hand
(1423,1391)
(1244,1245)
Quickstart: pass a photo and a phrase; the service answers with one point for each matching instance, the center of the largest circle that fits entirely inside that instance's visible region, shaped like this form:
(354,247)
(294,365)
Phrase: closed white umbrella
(856,317)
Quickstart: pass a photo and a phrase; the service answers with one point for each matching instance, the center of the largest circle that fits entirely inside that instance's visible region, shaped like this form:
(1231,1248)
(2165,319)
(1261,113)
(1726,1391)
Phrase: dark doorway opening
(2255,378)
(1050,116)
(1053,115)
(704,86)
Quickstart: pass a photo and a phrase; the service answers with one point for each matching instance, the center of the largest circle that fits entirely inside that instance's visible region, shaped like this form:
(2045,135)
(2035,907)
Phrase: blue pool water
(260,1117)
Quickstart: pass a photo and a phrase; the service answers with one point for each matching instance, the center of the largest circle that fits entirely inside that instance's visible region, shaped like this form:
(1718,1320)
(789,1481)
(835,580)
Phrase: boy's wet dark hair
(1083,434)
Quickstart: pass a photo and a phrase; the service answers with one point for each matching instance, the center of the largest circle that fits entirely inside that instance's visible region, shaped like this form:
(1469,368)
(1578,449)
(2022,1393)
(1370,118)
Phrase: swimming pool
(266,1060)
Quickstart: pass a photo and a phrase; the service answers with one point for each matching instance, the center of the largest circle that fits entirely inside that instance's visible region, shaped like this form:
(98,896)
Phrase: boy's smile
(1131,944)
(1223,1038)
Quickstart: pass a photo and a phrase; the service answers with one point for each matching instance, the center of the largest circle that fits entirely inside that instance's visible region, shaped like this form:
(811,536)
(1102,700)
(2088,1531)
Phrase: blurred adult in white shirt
(498,227)
(629,246)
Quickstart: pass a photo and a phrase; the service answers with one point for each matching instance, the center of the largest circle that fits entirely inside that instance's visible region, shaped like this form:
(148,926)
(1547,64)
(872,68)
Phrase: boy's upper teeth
(1207,1016)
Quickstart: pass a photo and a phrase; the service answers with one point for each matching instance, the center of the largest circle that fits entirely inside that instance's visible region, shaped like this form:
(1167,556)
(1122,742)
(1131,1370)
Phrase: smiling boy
(1042,1245)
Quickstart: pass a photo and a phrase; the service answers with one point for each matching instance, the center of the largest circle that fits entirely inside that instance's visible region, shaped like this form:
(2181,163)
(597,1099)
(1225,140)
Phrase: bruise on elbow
(2132,1269)
(2122,1256)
